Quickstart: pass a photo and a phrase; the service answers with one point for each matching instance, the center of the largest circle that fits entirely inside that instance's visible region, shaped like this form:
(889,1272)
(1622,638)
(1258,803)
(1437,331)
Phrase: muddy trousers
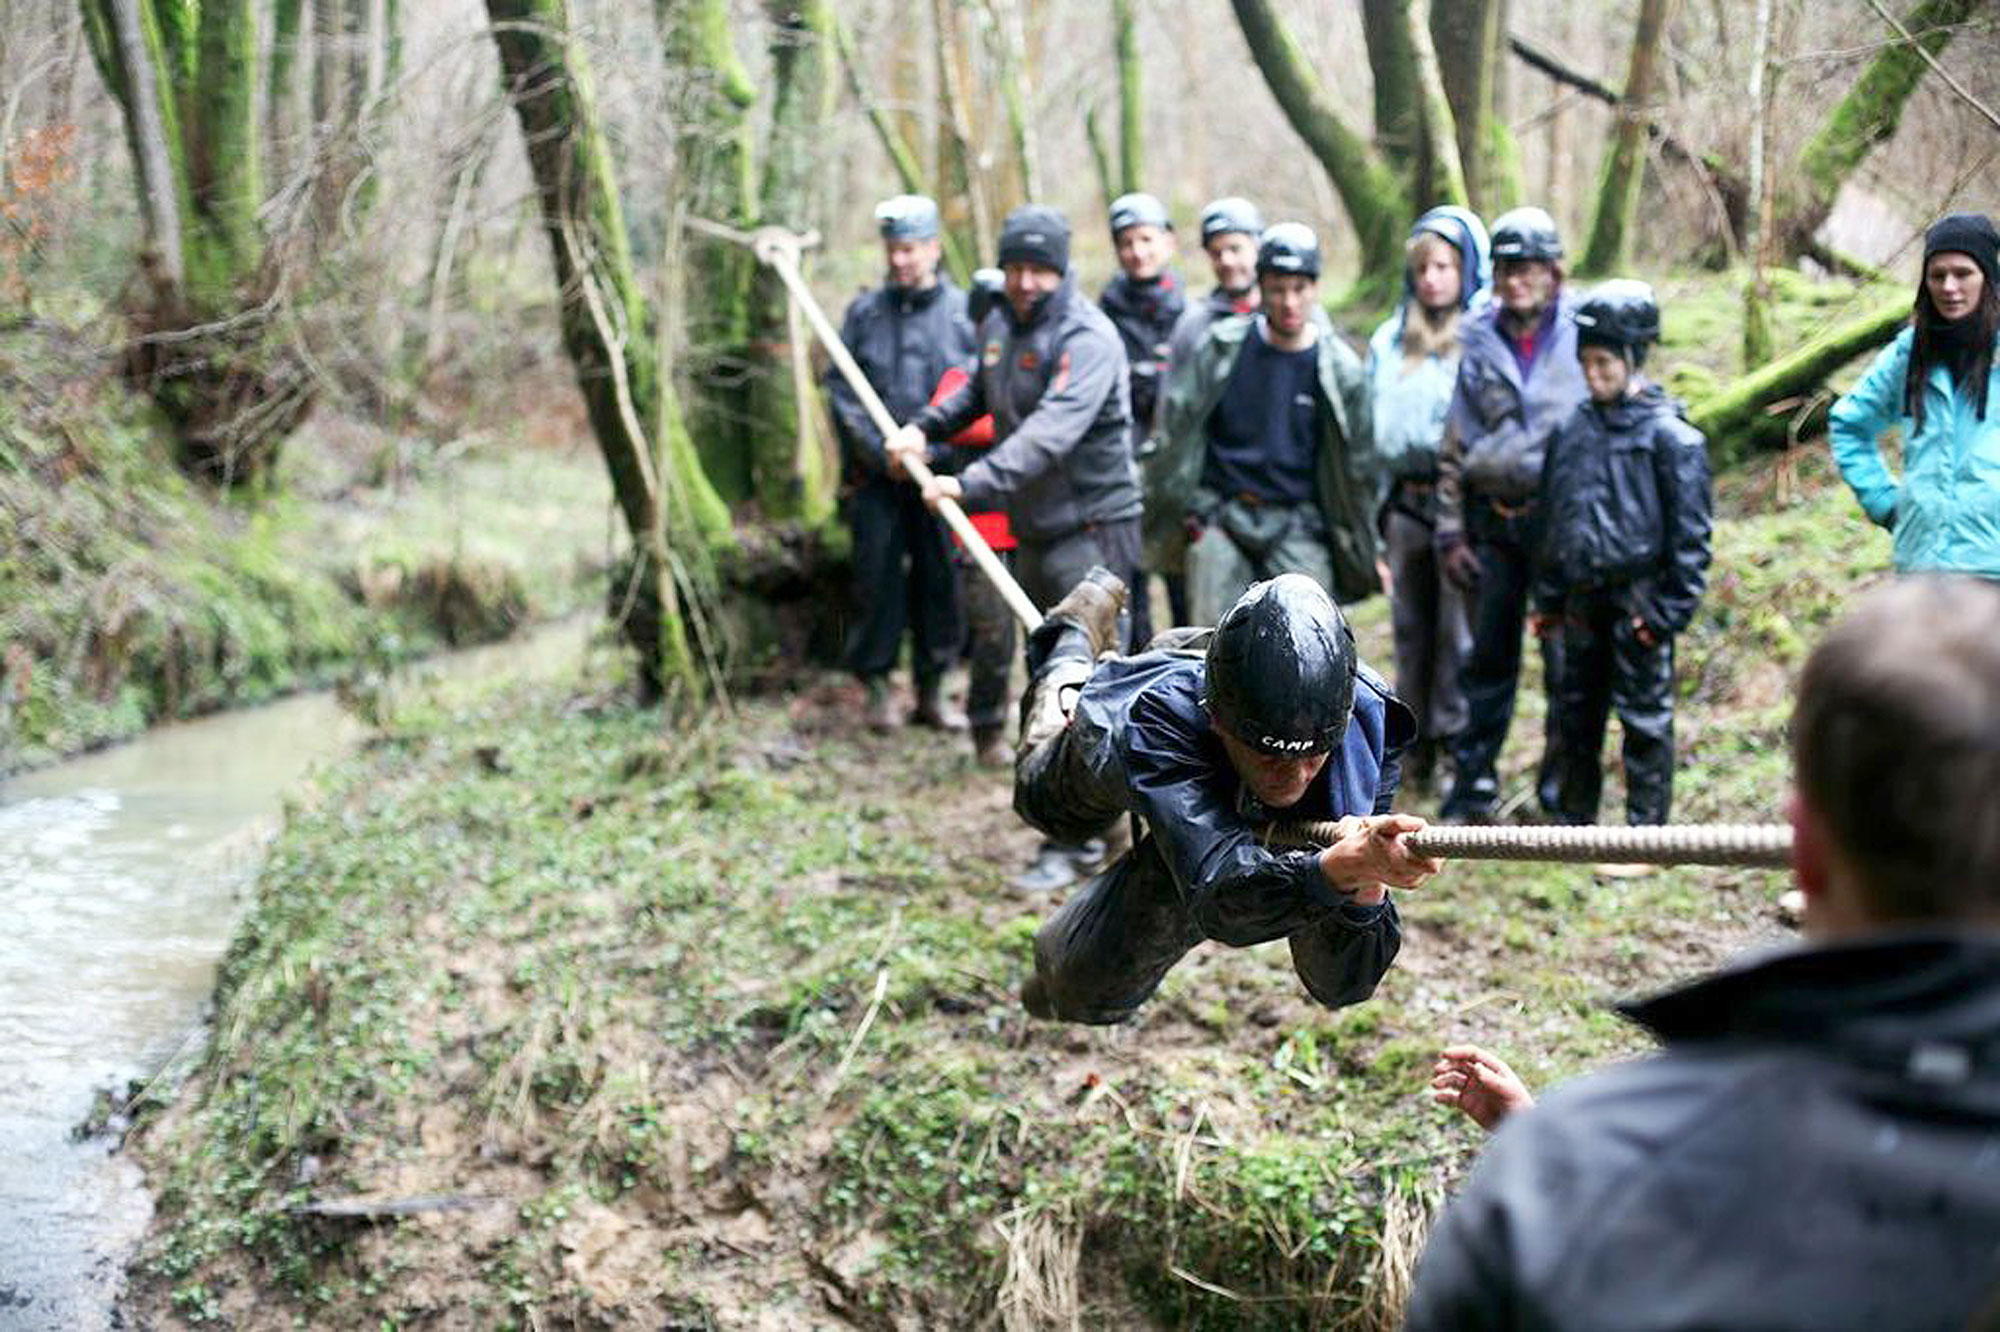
(1107,948)
(904,578)
(989,646)
(1433,636)
(1499,610)
(1605,666)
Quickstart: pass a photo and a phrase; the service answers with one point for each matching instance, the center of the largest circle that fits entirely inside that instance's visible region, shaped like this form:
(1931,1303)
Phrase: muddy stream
(122,874)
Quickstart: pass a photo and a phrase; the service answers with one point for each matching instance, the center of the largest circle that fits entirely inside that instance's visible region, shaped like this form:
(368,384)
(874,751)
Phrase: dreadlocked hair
(1931,344)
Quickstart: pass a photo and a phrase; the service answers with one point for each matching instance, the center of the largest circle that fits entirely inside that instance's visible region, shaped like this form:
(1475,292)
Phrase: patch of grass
(722,1014)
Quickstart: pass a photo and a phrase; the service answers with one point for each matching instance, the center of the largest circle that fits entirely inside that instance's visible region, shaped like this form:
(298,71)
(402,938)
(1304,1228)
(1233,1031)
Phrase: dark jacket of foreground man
(1817,1147)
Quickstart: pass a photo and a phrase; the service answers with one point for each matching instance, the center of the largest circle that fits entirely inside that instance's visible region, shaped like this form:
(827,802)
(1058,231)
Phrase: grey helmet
(1231,213)
(907,217)
(1526,233)
(1138,210)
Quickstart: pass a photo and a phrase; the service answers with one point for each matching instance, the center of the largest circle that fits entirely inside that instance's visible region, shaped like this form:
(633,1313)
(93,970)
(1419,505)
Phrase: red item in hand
(979,435)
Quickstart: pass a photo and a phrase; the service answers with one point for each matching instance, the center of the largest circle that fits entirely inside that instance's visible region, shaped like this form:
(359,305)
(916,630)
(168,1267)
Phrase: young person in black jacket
(1622,557)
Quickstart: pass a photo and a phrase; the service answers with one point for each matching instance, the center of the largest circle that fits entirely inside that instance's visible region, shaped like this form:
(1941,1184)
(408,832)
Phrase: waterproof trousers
(1047,570)
(904,578)
(1107,948)
(1605,666)
(1244,544)
(1433,636)
(989,646)
(1499,611)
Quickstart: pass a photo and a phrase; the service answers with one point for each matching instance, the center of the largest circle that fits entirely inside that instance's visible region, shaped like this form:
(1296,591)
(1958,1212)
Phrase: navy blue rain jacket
(1145,313)
(1625,505)
(1141,724)
(1817,1147)
(904,342)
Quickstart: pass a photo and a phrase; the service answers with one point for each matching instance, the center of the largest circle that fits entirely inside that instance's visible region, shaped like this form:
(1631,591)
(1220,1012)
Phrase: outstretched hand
(1372,854)
(1479,1083)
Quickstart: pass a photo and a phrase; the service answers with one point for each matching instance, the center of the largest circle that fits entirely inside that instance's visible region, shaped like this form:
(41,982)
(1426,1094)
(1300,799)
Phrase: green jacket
(1172,462)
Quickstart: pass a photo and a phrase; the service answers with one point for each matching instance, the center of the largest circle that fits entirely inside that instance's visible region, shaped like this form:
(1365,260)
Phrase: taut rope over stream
(1760,845)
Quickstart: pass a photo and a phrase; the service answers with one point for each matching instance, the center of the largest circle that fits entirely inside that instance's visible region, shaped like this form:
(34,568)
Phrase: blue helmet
(1231,213)
(907,217)
(1138,210)
(1464,232)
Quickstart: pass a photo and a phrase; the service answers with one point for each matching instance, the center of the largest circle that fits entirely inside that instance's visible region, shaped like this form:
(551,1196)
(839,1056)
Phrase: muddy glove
(1461,566)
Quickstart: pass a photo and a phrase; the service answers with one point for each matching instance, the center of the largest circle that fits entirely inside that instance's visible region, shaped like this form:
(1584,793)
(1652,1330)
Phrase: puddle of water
(121,877)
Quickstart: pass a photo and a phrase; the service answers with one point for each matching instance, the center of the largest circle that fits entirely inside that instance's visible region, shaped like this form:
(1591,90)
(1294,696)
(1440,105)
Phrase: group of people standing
(1234,438)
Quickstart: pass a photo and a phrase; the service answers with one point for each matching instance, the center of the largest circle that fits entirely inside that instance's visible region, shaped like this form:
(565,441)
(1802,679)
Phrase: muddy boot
(990,748)
(934,711)
(880,711)
(1092,607)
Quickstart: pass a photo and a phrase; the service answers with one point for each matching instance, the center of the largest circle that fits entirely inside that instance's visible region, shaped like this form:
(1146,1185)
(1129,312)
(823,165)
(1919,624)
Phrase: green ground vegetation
(694,1025)
(129,595)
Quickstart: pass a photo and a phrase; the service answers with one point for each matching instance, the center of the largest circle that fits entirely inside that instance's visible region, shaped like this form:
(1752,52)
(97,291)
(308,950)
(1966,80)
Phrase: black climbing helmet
(1622,314)
(989,288)
(1281,668)
(1138,210)
(1289,248)
(1231,213)
(1526,233)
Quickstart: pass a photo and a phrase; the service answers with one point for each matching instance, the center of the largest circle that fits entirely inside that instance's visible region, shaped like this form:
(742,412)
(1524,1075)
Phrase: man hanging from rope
(1205,737)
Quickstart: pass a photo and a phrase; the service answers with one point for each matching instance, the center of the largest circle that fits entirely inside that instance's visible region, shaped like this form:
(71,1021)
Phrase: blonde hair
(1427,332)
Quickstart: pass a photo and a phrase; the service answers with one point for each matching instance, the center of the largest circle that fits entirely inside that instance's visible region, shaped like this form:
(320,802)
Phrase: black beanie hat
(1033,234)
(1969,234)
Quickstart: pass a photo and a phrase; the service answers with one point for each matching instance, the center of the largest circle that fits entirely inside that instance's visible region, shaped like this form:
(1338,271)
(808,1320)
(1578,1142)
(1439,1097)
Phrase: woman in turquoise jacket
(1412,368)
(1936,381)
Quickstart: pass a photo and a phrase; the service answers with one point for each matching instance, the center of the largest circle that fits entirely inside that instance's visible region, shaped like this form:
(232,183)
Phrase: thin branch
(1936,68)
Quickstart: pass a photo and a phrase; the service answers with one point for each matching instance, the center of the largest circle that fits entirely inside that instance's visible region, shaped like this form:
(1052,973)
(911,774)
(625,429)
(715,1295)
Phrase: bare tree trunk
(1625,165)
(1010,50)
(1376,200)
(1470,38)
(969,224)
(1440,130)
(1392,66)
(128,50)
(1757,293)
(281,103)
(1867,116)
(671,515)
(1100,157)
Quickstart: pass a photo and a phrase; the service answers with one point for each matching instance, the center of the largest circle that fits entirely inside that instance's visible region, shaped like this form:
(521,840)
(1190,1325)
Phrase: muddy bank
(552,1012)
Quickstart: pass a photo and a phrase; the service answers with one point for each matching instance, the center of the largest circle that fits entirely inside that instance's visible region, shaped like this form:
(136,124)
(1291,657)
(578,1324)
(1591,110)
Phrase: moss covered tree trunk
(1392,64)
(1375,196)
(1447,173)
(1131,101)
(1625,165)
(185,76)
(791,477)
(1867,116)
(715,179)
(671,513)
(1741,417)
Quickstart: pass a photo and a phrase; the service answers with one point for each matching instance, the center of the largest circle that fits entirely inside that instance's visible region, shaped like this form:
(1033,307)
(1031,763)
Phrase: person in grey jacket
(1412,368)
(1052,372)
(1517,380)
(1817,1145)
(905,335)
